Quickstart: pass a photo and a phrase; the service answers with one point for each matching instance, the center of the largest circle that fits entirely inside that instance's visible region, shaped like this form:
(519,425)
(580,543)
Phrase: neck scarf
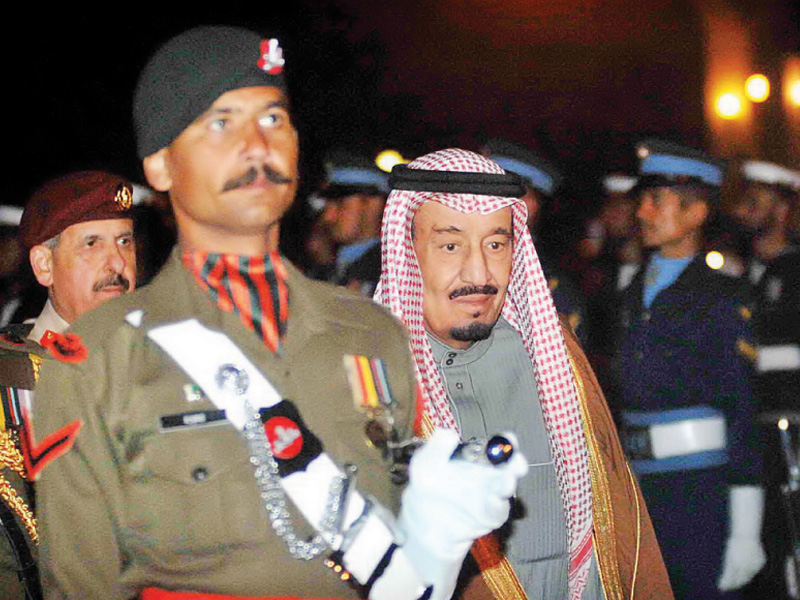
(254,287)
(528,307)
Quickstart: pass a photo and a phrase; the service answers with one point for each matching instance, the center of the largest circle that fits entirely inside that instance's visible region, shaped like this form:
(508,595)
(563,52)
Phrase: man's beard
(474,332)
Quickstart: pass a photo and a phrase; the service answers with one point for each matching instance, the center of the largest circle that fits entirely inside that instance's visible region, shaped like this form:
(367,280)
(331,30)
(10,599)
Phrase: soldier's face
(231,174)
(465,260)
(755,208)
(92,263)
(666,223)
(343,216)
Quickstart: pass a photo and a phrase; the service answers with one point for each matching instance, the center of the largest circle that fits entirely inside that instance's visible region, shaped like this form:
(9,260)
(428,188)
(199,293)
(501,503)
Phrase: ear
(156,170)
(697,212)
(41,258)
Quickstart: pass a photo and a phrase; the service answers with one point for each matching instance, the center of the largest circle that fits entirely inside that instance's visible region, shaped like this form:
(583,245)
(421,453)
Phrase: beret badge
(271,60)
(123,197)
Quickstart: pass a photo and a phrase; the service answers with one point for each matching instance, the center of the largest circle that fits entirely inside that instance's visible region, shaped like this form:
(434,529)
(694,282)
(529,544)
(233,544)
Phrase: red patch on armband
(38,456)
(67,347)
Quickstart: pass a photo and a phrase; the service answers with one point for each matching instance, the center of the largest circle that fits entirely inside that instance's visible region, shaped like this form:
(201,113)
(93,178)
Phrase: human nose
(475,269)
(118,258)
(255,142)
(643,210)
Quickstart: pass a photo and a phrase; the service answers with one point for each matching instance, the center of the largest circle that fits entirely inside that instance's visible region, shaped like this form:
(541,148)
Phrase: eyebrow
(227,110)
(454,229)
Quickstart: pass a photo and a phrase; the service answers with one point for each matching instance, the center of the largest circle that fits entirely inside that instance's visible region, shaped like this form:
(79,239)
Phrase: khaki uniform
(19,363)
(134,504)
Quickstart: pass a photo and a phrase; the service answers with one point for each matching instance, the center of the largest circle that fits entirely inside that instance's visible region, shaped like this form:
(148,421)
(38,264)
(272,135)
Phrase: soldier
(354,195)
(685,383)
(769,207)
(542,181)
(78,232)
(242,427)
(460,270)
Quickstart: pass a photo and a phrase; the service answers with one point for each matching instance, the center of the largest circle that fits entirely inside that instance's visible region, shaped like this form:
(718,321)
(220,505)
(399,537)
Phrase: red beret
(74,198)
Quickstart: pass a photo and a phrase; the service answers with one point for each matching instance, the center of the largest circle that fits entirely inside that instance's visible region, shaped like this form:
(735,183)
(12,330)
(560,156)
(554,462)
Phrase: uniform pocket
(194,489)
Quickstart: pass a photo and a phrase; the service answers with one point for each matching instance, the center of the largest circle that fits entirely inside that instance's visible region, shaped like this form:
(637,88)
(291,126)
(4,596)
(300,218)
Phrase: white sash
(372,554)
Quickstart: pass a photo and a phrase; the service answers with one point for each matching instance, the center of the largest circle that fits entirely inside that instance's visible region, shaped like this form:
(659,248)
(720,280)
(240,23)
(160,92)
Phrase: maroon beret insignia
(123,197)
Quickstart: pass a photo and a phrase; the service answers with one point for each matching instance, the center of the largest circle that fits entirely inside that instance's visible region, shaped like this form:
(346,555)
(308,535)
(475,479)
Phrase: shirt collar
(48,319)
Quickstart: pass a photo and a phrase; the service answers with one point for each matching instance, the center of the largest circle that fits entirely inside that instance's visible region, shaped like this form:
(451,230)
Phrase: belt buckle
(636,442)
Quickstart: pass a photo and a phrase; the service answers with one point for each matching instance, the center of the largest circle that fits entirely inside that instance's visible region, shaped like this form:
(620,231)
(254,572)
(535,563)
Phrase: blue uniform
(687,358)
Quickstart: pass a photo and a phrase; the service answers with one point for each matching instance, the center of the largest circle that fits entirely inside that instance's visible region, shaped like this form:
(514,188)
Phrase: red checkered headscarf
(528,307)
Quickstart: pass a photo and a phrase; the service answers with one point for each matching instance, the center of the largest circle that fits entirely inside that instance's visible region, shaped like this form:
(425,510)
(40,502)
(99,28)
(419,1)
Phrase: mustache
(483,290)
(117,280)
(272,175)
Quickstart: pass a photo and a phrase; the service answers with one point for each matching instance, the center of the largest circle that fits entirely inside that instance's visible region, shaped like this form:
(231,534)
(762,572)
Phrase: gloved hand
(450,503)
(744,556)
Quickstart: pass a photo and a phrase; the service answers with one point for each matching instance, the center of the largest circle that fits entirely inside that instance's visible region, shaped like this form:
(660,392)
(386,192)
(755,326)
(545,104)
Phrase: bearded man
(460,270)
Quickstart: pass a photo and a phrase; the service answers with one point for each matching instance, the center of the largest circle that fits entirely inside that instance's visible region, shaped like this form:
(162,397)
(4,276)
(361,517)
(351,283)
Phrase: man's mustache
(272,175)
(117,280)
(483,290)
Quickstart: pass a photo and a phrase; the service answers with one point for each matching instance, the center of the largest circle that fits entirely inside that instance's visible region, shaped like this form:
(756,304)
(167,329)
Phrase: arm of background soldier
(77,493)
(744,556)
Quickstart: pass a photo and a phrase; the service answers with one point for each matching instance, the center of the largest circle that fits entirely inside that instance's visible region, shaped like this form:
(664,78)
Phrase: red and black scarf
(254,287)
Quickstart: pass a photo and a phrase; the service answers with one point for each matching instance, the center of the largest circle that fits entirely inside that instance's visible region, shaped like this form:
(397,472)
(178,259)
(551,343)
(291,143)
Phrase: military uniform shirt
(147,497)
(492,388)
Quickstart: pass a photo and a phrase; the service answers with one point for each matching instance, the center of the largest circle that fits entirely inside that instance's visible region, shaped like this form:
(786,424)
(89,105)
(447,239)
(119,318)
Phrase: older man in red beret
(78,232)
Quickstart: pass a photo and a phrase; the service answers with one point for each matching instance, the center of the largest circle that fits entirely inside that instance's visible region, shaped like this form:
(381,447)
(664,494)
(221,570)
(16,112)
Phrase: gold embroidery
(604,535)
(36,362)
(638,529)
(11,458)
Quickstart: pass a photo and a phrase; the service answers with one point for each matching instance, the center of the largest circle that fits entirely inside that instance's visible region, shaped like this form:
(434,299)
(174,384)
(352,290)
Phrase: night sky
(579,81)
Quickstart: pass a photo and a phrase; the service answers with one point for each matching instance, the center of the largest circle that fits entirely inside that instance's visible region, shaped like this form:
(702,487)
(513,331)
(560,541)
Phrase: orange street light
(757,88)
(729,106)
(389,158)
(794,93)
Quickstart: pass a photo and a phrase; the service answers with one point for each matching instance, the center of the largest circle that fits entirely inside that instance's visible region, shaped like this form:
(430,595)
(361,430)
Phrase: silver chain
(268,480)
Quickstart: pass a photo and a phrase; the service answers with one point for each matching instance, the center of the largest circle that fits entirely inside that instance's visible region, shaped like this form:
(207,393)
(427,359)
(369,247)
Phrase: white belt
(778,358)
(688,437)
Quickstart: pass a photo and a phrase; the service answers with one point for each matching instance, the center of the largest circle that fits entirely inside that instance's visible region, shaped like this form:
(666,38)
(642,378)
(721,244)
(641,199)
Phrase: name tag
(198,418)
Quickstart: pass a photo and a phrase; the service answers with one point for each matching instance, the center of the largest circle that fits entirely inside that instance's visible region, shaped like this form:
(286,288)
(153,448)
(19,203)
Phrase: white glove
(450,503)
(744,556)
(791,579)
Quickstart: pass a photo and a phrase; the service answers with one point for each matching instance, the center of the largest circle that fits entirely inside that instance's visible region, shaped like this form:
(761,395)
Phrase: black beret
(188,73)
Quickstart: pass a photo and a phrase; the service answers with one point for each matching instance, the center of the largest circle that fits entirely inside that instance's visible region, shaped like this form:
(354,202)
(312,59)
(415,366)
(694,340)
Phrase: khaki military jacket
(625,546)
(135,503)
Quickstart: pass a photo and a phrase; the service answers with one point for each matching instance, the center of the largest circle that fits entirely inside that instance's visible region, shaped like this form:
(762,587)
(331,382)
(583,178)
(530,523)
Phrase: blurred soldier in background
(685,383)
(354,194)
(542,181)
(769,207)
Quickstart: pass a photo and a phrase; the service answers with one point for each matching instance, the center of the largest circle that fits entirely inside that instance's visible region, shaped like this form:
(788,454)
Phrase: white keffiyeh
(528,307)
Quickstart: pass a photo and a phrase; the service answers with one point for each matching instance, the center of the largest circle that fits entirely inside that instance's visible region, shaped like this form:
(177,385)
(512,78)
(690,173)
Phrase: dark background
(578,81)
